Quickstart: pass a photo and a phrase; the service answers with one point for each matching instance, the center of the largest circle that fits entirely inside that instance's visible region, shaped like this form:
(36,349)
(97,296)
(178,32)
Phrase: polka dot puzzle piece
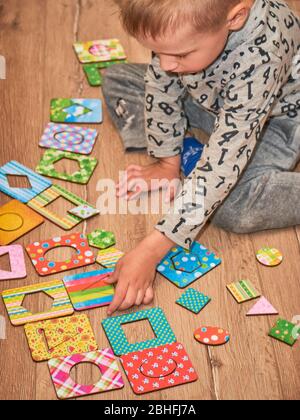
(69,138)
(80,111)
(262,307)
(212,336)
(270,257)
(99,51)
(84,212)
(243,291)
(116,336)
(60,370)
(193,300)
(101,239)
(38,250)
(16,220)
(19,315)
(182,267)
(17,263)
(160,368)
(109,258)
(286,332)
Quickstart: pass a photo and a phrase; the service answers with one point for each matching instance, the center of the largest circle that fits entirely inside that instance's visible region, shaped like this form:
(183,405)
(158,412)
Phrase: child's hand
(135,273)
(164,174)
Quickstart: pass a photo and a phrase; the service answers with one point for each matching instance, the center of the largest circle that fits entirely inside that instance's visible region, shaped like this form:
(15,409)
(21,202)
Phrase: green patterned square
(193,300)
(286,332)
(101,239)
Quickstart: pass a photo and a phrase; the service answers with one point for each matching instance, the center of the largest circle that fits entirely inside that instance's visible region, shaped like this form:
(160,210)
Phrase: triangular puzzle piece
(262,307)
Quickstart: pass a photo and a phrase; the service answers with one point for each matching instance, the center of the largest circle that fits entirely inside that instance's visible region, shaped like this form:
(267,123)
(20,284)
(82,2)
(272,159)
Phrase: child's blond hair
(155,17)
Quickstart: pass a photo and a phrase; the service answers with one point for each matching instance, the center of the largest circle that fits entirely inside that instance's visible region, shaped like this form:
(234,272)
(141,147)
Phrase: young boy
(230,68)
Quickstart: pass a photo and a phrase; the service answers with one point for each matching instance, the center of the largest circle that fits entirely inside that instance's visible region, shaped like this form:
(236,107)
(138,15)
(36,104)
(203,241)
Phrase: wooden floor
(36,38)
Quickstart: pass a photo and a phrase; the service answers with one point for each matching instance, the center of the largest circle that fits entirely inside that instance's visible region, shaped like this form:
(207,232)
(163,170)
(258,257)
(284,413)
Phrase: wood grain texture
(36,38)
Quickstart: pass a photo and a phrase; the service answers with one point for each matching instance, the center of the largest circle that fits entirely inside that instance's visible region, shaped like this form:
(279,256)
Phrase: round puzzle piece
(270,257)
(212,336)
(10,222)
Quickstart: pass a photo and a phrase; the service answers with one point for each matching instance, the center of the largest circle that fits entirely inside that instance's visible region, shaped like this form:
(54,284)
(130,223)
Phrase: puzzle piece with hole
(285,332)
(37,182)
(87,166)
(193,300)
(19,315)
(69,138)
(99,51)
(243,291)
(109,258)
(101,239)
(17,263)
(93,74)
(60,337)
(88,111)
(45,267)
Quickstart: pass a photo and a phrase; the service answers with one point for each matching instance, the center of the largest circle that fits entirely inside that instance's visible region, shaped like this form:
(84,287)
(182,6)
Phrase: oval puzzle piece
(212,336)
(270,257)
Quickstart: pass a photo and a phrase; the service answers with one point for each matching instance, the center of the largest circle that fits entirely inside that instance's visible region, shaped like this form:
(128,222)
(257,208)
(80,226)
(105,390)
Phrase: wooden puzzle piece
(60,337)
(193,300)
(270,257)
(89,290)
(212,336)
(16,220)
(40,203)
(44,267)
(243,291)
(286,332)
(88,111)
(17,263)
(19,315)
(160,368)
(84,212)
(100,50)
(69,138)
(93,74)
(116,336)
(65,387)
(38,183)
(109,258)
(87,165)
(183,267)
(262,307)
(101,239)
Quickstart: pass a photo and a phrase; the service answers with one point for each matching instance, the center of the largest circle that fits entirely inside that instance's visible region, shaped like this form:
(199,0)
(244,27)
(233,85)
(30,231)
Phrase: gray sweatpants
(267,195)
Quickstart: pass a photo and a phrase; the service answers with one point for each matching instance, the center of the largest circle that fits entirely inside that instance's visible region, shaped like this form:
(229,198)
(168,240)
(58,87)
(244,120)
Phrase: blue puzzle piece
(193,300)
(38,183)
(192,152)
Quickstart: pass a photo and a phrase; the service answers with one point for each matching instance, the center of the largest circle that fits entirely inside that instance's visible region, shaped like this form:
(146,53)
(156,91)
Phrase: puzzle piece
(100,50)
(87,165)
(84,212)
(69,138)
(262,307)
(16,220)
(182,267)
(60,370)
(60,337)
(19,315)
(88,111)
(212,336)
(109,258)
(286,332)
(38,183)
(243,291)
(89,290)
(101,239)
(40,203)
(270,257)
(160,368)
(193,300)
(37,253)
(17,263)
(116,336)
(92,71)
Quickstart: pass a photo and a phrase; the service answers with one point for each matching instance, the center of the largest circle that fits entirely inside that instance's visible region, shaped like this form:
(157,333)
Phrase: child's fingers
(149,296)
(113,278)
(120,295)
(140,298)
(129,300)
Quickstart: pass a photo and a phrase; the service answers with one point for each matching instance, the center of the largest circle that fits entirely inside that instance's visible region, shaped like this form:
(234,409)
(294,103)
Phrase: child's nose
(168,63)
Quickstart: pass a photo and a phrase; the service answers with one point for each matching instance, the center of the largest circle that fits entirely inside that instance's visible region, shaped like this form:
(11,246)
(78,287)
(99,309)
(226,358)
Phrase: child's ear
(238,16)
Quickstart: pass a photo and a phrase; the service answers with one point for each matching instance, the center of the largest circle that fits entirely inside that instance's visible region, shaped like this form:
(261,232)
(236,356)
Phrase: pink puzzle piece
(17,263)
(262,307)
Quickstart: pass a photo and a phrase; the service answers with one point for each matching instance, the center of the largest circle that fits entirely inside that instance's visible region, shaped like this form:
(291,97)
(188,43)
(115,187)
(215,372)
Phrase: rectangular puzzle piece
(99,50)
(87,111)
(243,291)
(17,263)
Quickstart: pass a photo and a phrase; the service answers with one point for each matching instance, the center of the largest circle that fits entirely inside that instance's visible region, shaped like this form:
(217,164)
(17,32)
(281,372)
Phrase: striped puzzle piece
(243,291)
(19,315)
(38,183)
(109,258)
(193,300)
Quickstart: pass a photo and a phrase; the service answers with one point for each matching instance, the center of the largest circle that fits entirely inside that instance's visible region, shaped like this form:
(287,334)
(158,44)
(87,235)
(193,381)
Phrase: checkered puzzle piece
(193,300)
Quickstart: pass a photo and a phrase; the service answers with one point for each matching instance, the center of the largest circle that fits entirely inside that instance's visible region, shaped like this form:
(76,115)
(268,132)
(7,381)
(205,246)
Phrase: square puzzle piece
(60,337)
(88,111)
(40,203)
(100,50)
(286,332)
(89,290)
(37,182)
(87,165)
(193,300)
(243,291)
(116,336)
(183,267)
(84,212)
(101,239)
(109,258)
(17,263)
(19,315)
(65,387)
(69,138)
(92,71)
(44,267)
(156,369)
